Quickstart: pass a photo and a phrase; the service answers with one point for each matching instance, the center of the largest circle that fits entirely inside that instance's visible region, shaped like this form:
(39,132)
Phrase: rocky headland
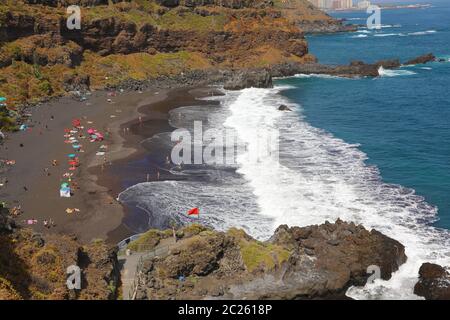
(320,261)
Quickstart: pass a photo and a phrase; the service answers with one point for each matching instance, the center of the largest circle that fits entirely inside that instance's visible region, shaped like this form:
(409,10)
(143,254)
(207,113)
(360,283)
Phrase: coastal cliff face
(141,39)
(33,266)
(319,261)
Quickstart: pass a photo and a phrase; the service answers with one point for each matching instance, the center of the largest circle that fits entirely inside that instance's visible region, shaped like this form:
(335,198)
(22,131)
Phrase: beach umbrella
(91,131)
(64,185)
(73,163)
(76,146)
(2,99)
(76,122)
(71,155)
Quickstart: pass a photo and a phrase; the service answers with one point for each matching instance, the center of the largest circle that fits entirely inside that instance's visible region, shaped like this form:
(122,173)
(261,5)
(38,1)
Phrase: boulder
(434,282)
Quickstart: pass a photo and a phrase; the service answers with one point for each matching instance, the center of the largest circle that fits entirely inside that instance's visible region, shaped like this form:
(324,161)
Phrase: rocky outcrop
(422,59)
(354,69)
(284,107)
(434,282)
(249,78)
(326,26)
(319,261)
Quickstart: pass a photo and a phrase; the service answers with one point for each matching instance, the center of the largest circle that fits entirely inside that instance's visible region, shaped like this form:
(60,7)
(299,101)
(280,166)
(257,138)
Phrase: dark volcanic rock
(319,261)
(388,64)
(434,282)
(284,108)
(326,26)
(249,78)
(422,59)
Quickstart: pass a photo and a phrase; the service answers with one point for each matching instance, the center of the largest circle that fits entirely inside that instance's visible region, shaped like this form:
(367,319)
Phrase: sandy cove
(33,150)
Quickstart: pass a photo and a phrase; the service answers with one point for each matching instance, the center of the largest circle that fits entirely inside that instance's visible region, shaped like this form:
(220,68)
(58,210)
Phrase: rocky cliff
(33,266)
(141,39)
(319,261)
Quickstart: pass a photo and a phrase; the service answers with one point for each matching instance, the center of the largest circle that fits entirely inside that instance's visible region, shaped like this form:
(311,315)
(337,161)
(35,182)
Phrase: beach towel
(64,192)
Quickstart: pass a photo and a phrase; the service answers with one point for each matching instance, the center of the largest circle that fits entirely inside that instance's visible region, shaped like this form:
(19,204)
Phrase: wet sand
(141,166)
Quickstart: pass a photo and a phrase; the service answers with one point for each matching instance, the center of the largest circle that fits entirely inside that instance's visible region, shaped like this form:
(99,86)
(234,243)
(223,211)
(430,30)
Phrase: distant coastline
(386,7)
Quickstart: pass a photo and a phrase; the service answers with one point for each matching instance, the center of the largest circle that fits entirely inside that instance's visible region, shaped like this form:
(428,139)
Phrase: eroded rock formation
(319,261)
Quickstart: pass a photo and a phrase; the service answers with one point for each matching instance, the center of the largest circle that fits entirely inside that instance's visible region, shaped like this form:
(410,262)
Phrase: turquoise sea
(401,120)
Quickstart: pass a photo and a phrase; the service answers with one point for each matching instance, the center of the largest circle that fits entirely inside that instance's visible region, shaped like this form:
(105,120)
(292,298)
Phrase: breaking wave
(394,73)
(318,177)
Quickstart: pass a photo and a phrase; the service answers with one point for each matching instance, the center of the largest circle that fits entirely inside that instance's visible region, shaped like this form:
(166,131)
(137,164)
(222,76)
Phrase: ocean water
(372,151)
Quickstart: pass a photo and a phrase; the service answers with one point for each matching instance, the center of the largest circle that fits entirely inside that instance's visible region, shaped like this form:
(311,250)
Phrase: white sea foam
(394,73)
(386,34)
(323,76)
(359,36)
(391,26)
(320,177)
(422,33)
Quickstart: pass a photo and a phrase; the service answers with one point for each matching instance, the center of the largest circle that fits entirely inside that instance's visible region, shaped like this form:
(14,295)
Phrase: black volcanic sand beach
(144,164)
(33,182)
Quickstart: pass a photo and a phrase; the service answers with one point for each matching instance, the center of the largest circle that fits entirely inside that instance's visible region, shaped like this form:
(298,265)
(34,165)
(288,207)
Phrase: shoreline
(122,174)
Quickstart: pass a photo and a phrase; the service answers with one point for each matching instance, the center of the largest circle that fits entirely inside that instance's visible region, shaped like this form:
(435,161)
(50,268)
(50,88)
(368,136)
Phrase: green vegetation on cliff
(140,39)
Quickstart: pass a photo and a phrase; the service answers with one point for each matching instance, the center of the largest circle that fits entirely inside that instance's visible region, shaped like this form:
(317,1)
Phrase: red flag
(193,211)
